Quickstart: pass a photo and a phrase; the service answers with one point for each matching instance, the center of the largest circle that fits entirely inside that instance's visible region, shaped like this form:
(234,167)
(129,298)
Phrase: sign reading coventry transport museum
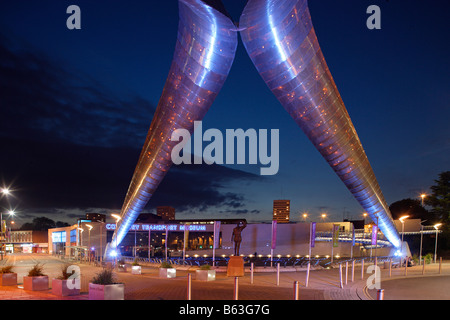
(163,227)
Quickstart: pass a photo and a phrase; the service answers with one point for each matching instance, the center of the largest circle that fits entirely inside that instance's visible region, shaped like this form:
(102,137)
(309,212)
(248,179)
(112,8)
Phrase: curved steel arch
(280,40)
(204,52)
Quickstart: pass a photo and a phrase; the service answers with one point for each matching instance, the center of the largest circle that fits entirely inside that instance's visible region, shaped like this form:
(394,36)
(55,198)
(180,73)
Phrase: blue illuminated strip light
(280,40)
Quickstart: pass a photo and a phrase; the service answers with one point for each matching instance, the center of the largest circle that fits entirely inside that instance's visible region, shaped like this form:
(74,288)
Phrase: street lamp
(423,196)
(402,220)
(2,233)
(436,226)
(421,241)
(323,216)
(81,239)
(90,228)
(365,216)
(305,215)
(117,217)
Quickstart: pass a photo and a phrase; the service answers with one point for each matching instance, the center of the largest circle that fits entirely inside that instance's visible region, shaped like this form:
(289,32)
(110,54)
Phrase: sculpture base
(235,267)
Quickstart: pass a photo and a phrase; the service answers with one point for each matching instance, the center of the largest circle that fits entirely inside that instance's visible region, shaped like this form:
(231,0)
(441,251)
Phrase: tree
(43,224)
(61,224)
(410,207)
(439,200)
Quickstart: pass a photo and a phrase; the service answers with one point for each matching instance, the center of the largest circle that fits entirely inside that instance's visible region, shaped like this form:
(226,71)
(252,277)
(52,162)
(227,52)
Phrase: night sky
(76,105)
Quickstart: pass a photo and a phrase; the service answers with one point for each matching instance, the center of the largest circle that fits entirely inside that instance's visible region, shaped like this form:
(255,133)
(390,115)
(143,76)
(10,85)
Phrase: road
(417,288)
(323,285)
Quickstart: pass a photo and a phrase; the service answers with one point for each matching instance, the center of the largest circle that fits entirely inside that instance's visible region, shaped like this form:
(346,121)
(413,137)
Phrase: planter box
(136,269)
(205,275)
(60,288)
(8,279)
(35,283)
(107,292)
(167,272)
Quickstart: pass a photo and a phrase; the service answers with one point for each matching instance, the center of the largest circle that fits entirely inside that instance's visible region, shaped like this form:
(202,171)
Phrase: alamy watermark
(74,282)
(374,280)
(229,149)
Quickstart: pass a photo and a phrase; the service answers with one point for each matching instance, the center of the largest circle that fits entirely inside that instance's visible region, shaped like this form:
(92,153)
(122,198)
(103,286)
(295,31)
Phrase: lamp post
(3,233)
(305,215)
(376,239)
(436,226)
(5,192)
(365,216)
(81,241)
(117,217)
(421,241)
(402,220)
(423,196)
(90,228)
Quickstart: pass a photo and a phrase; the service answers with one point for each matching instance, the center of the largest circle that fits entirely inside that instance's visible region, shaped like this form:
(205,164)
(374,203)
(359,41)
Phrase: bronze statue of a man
(236,236)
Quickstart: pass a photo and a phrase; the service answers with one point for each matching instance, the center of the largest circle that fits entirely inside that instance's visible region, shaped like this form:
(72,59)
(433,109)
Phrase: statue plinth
(235,266)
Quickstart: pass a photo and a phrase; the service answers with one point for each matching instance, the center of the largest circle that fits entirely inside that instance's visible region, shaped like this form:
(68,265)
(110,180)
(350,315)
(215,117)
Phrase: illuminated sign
(312,235)
(335,235)
(374,235)
(161,227)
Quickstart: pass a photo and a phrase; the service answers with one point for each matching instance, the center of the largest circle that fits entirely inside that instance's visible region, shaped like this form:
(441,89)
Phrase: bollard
(376,265)
(390,267)
(440,265)
(406,267)
(340,276)
(346,272)
(236,288)
(295,290)
(307,274)
(189,281)
(252,266)
(380,294)
(362,269)
(278,274)
(353,270)
(423,269)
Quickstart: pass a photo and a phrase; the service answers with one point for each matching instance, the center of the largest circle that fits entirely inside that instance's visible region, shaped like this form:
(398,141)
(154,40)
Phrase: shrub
(135,263)
(205,267)
(37,270)
(104,277)
(165,264)
(428,258)
(6,269)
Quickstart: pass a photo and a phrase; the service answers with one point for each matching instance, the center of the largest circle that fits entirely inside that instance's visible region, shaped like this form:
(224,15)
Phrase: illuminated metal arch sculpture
(280,40)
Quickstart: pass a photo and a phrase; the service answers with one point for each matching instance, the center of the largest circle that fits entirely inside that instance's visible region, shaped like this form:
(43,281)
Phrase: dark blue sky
(75,106)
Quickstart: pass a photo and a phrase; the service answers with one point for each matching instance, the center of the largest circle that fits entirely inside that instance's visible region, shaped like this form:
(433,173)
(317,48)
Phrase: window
(73,235)
(59,236)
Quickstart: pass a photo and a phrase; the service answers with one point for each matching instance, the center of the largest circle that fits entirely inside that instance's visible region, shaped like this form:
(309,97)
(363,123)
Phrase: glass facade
(59,242)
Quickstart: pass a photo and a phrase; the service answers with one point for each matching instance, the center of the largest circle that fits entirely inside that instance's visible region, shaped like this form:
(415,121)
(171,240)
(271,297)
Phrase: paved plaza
(323,284)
